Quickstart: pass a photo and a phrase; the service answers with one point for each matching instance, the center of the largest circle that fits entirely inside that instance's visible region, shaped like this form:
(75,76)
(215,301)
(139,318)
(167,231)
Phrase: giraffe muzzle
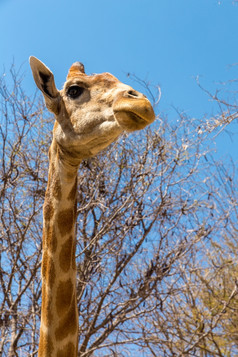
(133,113)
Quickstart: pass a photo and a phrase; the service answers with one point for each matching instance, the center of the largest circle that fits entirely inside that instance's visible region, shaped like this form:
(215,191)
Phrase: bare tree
(198,316)
(149,209)
(23,178)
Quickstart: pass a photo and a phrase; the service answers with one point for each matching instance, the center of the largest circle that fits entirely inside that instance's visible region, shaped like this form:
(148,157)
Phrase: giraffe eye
(74,92)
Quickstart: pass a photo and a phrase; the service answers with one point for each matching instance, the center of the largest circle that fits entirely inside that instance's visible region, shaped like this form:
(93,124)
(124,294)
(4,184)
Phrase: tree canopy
(156,235)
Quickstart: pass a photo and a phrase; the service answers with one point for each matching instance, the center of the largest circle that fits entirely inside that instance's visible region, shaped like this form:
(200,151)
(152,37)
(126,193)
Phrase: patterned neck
(59,316)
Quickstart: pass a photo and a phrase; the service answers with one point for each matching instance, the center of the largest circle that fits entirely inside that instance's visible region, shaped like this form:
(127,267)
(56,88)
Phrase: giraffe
(91,111)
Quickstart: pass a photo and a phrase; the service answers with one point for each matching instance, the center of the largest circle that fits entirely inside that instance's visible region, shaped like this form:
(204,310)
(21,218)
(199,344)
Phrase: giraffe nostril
(133,93)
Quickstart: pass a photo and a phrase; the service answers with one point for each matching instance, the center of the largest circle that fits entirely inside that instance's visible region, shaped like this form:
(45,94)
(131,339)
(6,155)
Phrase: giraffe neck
(59,315)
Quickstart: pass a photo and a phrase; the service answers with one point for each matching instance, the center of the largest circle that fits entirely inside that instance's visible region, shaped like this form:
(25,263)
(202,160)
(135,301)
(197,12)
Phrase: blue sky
(168,42)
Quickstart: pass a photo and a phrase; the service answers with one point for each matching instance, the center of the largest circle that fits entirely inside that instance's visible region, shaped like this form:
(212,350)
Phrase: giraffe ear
(44,80)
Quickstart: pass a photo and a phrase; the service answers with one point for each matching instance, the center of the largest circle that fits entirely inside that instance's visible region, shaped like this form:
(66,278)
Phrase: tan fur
(84,126)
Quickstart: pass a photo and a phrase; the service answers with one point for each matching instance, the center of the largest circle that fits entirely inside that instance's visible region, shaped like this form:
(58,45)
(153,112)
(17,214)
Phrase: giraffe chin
(130,121)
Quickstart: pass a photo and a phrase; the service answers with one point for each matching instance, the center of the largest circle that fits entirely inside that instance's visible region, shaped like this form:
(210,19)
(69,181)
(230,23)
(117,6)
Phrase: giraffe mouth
(131,121)
(135,117)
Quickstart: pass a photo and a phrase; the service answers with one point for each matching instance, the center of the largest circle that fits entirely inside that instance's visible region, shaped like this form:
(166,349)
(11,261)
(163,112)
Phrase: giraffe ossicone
(91,111)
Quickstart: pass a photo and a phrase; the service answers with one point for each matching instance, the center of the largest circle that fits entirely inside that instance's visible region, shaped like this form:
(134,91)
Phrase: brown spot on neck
(48,210)
(68,323)
(66,255)
(64,296)
(72,194)
(49,238)
(66,221)
(48,269)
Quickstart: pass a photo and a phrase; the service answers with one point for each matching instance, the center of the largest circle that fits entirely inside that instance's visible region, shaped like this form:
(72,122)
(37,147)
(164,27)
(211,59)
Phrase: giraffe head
(91,111)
